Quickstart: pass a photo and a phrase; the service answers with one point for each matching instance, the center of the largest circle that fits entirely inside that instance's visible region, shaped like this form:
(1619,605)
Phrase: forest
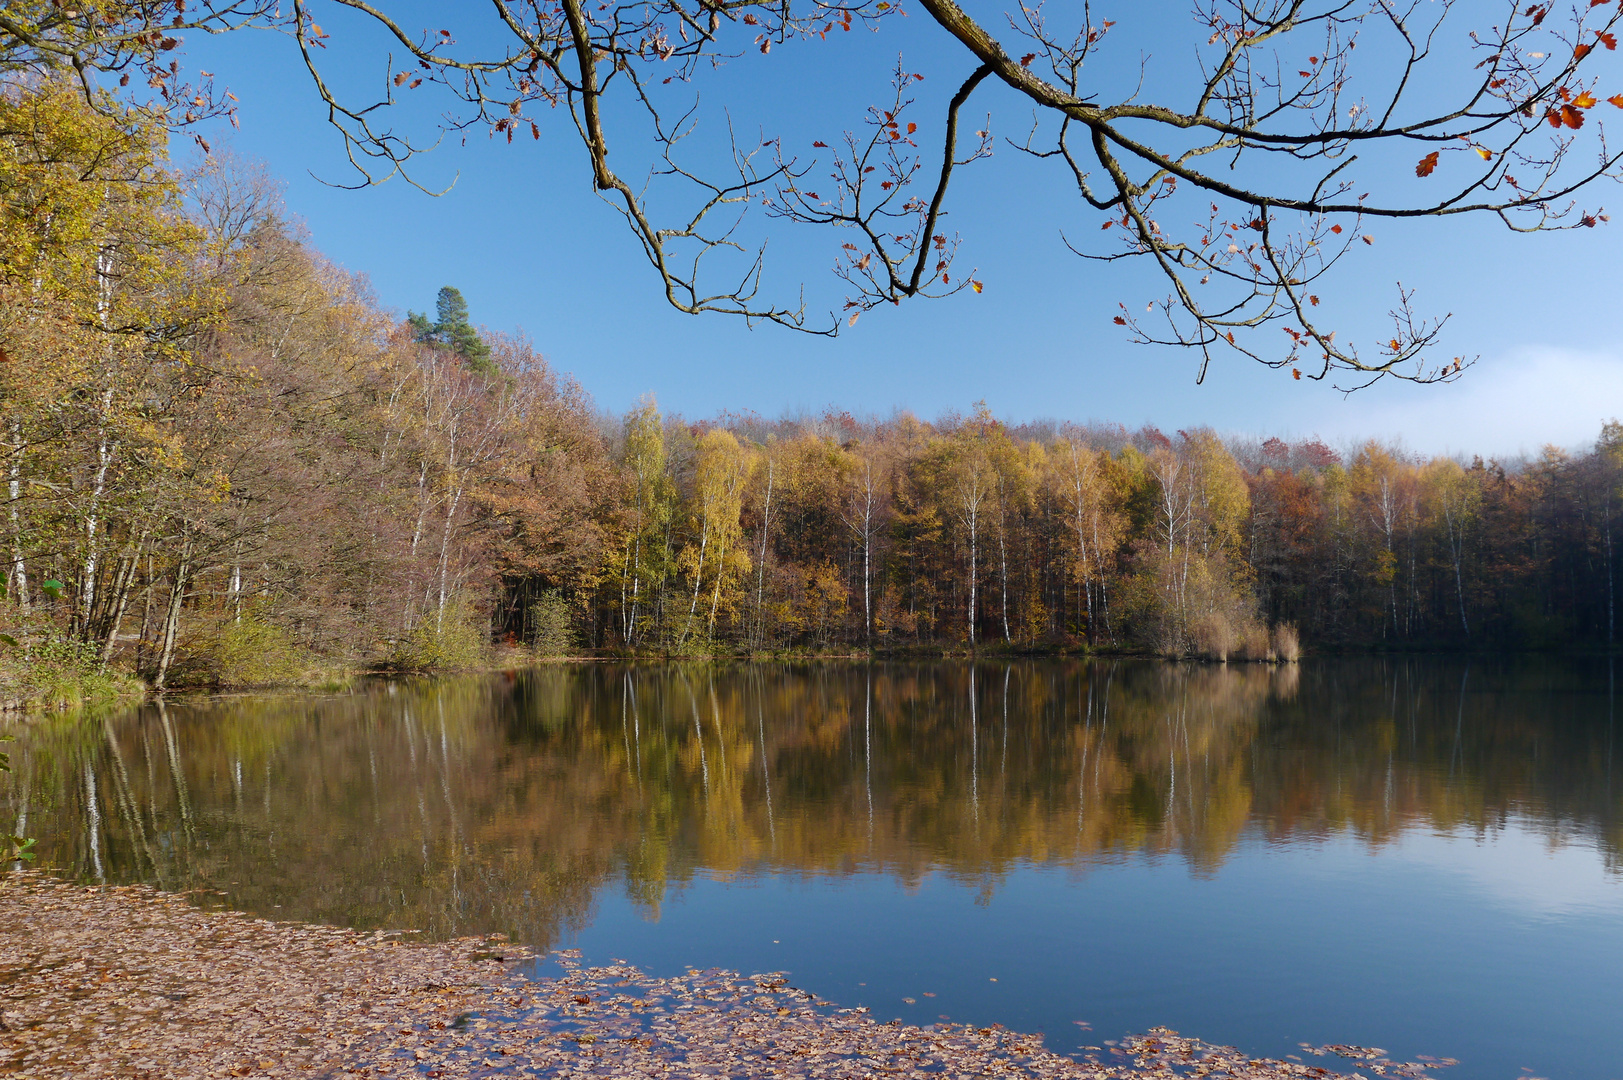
(227,463)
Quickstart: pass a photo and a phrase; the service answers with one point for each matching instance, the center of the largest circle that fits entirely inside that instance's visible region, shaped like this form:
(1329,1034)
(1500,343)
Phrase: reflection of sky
(1523,867)
(1500,950)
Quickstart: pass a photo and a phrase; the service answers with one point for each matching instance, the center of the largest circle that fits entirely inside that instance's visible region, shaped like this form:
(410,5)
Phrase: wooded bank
(225,462)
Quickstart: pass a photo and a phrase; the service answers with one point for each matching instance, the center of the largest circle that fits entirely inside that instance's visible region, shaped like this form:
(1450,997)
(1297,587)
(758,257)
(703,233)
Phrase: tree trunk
(171,620)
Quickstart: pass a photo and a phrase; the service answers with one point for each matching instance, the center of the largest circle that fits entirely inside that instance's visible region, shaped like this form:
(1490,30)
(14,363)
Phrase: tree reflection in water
(509,803)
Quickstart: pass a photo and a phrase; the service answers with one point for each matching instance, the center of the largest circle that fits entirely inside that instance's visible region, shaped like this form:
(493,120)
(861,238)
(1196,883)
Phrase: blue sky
(533,249)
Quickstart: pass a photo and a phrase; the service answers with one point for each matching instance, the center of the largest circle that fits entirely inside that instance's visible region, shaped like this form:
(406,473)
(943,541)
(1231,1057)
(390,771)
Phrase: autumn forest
(227,463)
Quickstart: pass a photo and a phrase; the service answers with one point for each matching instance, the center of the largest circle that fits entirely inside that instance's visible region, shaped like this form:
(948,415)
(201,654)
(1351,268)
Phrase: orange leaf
(1607,40)
(1314,300)
(1553,117)
(1335,229)
(976,286)
(1483,152)
(1572,117)
(1427,164)
(1231,337)
(1616,99)
(911,128)
(1295,374)
(1581,51)
(1585,100)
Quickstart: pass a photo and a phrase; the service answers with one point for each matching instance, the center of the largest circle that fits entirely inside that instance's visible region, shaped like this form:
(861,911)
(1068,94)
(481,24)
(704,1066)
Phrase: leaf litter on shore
(130,982)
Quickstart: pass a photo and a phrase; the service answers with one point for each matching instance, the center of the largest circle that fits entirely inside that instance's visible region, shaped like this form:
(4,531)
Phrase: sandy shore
(131,983)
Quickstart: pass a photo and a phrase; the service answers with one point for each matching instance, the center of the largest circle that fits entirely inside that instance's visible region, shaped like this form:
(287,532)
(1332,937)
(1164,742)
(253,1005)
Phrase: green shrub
(550,631)
(252,651)
(454,642)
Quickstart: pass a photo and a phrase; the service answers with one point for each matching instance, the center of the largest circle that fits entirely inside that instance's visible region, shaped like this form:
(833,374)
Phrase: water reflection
(510,803)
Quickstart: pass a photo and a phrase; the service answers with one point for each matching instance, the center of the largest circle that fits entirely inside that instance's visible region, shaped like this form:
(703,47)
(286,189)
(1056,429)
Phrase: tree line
(225,461)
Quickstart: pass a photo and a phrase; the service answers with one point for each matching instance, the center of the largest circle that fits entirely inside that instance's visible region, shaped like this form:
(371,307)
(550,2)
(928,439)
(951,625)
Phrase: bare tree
(1244,181)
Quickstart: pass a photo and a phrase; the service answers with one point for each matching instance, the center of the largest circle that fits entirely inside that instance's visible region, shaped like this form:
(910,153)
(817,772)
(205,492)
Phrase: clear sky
(533,249)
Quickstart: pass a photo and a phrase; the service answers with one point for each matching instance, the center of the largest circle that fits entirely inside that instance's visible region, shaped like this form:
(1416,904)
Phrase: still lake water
(1421,855)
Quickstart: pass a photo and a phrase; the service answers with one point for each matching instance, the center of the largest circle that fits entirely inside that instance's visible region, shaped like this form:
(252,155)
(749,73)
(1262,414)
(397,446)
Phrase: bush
(1287,644)
(550,630)
(1258,644)
(60,674)
(454,642)
(251,651)
(1213,636)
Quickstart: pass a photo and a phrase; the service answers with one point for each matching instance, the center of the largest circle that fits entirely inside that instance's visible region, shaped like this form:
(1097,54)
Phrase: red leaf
(1608,40)
(1335,229)
(822,145)
(1120,321)
(1581,51)
(1553,117)
(1427,165)
(1025,61)
(1572,117)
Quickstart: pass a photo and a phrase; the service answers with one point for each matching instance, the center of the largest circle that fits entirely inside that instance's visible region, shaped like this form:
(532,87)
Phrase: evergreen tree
(421,329)
(455,332)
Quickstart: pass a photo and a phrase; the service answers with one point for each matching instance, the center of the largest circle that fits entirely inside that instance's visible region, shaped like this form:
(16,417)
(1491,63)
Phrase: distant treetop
(452,330)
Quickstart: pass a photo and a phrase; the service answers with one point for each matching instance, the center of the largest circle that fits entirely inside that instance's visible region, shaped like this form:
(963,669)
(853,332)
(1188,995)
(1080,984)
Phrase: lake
(1424,855)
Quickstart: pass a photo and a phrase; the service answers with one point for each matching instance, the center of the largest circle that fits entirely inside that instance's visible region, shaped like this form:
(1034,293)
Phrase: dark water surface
(1421,855)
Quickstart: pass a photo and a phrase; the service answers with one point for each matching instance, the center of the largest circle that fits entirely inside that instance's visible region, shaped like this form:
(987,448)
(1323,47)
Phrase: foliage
(453,331)
(223,464)
(550,631)
(452,640)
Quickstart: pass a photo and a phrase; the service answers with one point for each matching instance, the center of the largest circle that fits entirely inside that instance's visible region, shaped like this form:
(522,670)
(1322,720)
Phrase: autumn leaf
(1572,117)
(1483,152)
(1368,239)
(1608,40)
(1427,165)
(975,285)
(1336,229)
(1119,321)
(1025,61)
(1616,99)
(1295,374)
(1314,300)
(1585,100)
(821,145)
(911,128)
(1581,51)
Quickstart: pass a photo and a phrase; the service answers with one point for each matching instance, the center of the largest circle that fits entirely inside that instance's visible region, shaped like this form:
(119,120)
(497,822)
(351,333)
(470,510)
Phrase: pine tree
(455,332)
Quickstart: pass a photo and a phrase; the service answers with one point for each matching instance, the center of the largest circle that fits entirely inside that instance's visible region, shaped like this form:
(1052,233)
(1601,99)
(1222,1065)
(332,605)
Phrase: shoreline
(126,981)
